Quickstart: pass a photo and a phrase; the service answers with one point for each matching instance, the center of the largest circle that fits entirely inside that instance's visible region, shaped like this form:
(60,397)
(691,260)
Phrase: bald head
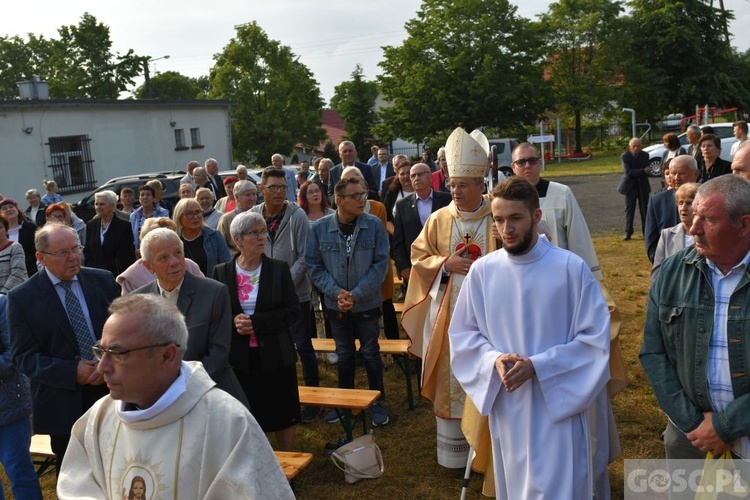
(635,145)
(421,179)
(191,166)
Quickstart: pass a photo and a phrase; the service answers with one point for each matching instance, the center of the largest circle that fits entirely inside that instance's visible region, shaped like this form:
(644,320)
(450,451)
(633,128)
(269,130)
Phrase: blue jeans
(366,327)
(15,439)
(303,342)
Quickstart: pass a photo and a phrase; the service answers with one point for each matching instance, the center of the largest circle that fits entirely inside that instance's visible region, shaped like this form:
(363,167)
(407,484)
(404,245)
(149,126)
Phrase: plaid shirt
(718,371)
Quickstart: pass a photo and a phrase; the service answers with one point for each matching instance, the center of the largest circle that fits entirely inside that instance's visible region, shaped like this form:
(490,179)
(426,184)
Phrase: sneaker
(378,415)
(332,417)
(332,358)
(309,413)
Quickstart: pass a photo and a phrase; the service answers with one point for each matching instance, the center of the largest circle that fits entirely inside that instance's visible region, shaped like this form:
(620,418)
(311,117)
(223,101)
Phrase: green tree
(468,62)
(354,100)
(580,62)
(82,64)
(682,45)
(277,102)
(172,86)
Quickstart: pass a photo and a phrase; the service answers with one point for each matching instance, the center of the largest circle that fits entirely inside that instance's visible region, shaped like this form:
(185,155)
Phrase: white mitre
(467,154)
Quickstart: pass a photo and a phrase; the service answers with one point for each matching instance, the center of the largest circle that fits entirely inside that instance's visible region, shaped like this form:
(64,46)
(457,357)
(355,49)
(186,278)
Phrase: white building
(83,143)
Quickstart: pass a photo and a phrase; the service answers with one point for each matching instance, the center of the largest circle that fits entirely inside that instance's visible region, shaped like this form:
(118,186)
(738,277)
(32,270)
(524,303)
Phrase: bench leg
(405,364)
(346,422)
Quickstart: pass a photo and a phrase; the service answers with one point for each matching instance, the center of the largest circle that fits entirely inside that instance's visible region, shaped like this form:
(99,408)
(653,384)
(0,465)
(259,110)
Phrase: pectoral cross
(467,239)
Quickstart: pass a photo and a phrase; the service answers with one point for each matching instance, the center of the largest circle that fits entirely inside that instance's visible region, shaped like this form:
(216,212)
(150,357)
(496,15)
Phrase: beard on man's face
(522,246)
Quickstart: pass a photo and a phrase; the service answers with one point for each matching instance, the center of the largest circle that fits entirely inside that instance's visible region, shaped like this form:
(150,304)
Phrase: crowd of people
(162,305)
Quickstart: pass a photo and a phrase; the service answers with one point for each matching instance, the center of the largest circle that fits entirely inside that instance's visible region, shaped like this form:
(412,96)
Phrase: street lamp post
(147,76)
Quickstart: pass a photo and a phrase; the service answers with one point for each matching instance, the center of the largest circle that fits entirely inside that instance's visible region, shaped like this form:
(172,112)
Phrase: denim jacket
(674,354)
(361,272)
(15,393)
(216,249)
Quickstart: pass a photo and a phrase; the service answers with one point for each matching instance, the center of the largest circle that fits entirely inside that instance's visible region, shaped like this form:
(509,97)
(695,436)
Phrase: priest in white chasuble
(452,239)
(529,340)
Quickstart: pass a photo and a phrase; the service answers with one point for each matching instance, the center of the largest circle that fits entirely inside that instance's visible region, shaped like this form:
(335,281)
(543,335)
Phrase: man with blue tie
(55,318)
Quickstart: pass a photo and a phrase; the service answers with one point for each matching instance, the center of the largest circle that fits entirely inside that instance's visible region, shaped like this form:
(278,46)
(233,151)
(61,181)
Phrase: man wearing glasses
(347,259)
(54,319)
(287,236)
(451,240)
(165,430)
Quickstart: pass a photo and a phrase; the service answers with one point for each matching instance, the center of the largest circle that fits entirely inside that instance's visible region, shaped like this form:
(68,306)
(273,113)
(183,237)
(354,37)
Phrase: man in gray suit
(203,301)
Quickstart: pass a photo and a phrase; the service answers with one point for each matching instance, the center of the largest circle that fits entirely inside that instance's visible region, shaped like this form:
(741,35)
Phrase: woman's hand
(244,324)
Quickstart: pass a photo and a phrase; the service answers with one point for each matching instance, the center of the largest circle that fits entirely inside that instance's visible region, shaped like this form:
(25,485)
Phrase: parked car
(723,130)
(505,147)
(171,181)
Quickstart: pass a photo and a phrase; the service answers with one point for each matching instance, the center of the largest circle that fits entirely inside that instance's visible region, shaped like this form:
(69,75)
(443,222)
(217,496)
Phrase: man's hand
(95,378)
(404,273)
(244,324)
(86,370)
(647,170)
(514,370)
(705,439)
(457,264)
(345,300)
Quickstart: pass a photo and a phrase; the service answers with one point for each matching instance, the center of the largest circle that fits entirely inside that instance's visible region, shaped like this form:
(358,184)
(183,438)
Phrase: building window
(72,165)
(179,139)
(195,138)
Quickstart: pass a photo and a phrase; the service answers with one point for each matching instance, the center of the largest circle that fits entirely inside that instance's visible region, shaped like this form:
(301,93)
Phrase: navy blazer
(407,226)
(44,345)
(334,176)
(633,167)
(118,251)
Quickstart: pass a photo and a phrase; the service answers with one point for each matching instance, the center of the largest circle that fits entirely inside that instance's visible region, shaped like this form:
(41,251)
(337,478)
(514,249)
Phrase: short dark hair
(710,137)
(517,189)
(148,188)
(742,125)
(272,172)
(126,190)
(348,181)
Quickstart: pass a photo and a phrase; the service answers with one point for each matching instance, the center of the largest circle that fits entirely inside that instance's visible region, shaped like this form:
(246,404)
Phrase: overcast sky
(330,36)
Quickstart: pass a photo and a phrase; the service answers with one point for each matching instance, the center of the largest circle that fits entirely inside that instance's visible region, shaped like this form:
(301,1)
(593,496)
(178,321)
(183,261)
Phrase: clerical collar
(466,213)
(541,187)
(131,413)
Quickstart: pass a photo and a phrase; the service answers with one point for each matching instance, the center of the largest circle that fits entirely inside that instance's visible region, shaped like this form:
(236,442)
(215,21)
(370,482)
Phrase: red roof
(334,127)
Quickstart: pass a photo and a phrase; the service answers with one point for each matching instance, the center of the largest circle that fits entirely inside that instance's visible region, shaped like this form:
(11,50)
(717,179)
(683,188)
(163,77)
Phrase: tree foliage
(171,85)
(467,62)
(682,45)
(79,64)
(581,56)
(277,103)
(354,100)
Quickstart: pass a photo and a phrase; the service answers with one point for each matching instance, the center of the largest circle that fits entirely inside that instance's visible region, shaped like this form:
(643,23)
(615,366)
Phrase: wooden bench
(398,348)
(291,463)
(353,401)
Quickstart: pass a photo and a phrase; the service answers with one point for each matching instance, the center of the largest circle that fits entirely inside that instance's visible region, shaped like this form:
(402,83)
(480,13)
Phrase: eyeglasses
(521,162)
(63,254)
(256,234)
(356,196)
(276,188)
(119,356)
(314,191)
(194,215)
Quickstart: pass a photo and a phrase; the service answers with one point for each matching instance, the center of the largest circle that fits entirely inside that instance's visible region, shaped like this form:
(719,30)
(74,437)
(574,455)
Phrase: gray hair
(200,171)
(694,129)
(242,186)
(277,155)
(109,197)
(686,160)
(327,160)
(161,322)
(153,222)
(350,171)
(41,237)
(210,161)
(244,221)
(241,167)
(346,143)
(441,152)
(32,192)
(158,235)
(734,190)
(203,190)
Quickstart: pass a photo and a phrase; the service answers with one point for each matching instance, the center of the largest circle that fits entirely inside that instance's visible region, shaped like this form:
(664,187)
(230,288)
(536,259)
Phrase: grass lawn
(600,163)
(408,442)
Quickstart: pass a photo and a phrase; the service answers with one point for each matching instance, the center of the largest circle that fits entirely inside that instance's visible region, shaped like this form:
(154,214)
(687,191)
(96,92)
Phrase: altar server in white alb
(529,342)
(165,430)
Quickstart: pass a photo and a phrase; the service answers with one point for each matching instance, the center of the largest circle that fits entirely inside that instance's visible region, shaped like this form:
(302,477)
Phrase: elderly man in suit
(55,318)
(203,301)
(634,184)
(109,239)
(412,212)
(212,168)
(348,154)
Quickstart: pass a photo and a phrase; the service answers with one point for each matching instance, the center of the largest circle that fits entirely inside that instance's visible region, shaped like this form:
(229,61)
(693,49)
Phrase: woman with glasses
(203,245)
(400,188)
(61,212)
(265,308)
(20,230)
